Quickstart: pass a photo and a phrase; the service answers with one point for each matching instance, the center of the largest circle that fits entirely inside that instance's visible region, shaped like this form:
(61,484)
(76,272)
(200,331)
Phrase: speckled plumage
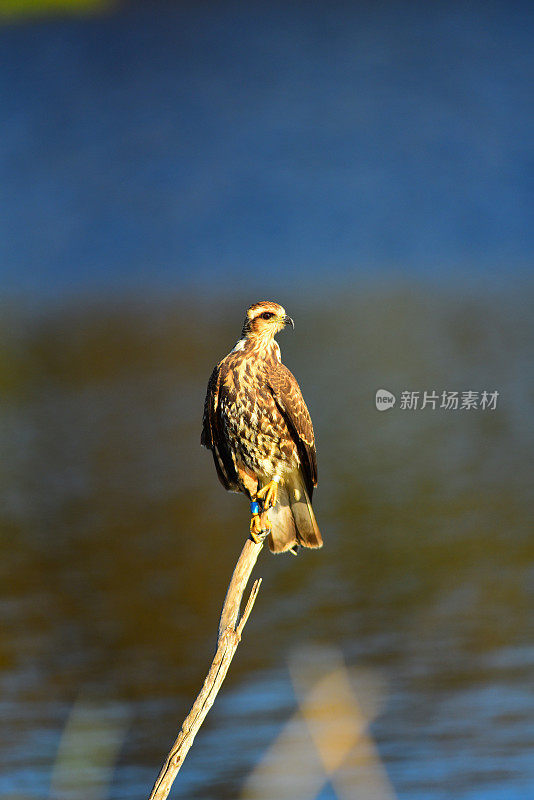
(257,426)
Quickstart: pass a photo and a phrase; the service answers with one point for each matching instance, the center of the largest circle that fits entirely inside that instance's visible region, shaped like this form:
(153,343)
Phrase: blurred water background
(369,166)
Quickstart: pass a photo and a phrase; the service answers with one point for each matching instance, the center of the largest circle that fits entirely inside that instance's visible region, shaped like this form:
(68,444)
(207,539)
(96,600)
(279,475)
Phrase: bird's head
(264,320)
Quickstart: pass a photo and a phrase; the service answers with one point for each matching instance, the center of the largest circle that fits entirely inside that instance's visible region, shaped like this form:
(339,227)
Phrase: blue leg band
(254,507)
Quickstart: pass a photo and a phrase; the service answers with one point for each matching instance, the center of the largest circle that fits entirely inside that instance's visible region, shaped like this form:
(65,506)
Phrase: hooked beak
(288,321)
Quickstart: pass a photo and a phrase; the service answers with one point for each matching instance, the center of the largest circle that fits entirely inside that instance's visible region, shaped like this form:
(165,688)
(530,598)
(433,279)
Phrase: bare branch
(228,639)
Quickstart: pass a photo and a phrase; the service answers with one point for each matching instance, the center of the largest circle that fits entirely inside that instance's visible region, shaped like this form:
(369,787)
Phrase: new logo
(384,400)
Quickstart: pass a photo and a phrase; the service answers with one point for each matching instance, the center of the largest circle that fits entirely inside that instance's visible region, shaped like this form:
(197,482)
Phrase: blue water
(169,144)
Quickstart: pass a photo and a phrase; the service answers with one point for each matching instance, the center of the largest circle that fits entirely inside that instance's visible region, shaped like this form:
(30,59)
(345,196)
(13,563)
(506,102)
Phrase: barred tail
(292,518)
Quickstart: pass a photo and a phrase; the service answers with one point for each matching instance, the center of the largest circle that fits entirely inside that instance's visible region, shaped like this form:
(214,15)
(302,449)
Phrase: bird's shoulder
(281,378)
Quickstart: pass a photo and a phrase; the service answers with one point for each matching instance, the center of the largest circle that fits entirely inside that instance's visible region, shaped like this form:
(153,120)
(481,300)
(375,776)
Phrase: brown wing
(213,434)
(288,398)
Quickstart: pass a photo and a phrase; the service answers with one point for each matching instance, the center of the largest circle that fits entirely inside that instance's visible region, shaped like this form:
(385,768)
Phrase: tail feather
(292,518)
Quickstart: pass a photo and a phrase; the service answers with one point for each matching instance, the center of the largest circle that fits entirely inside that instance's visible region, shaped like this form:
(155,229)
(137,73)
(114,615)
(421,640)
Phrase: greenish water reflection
(117,540)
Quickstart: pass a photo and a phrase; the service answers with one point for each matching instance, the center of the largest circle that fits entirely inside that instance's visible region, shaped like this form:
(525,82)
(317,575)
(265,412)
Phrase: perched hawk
(260,433)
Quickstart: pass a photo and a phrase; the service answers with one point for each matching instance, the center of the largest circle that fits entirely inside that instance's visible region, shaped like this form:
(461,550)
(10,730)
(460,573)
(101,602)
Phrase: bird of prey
(259,430)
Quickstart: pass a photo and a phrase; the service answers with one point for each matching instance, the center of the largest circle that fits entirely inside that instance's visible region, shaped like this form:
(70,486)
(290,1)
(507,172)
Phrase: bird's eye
(267,315)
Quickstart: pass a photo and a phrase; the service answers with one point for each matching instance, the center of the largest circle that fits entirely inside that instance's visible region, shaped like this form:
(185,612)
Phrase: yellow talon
(259,527)
(270,494)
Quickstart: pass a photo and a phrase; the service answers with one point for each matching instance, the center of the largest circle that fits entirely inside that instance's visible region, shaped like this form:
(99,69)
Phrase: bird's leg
(259,523)
(269,493)
(259,528)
